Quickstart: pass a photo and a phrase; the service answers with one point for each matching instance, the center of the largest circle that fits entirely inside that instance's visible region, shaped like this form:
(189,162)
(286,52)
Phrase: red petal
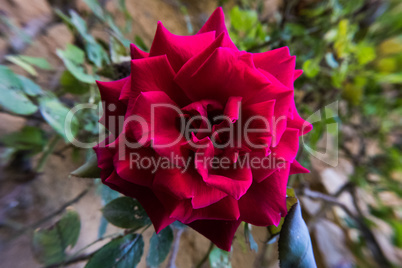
(128,165)
(216,23)
(221,233)
(259,120)
(299,123)
(297,74)
(296,168)
(179,49)
(186,185)
(266,168)
(225,73)
(288,145)
(283,102)
(193,64)
(234,181)
(265,202)
(225,209)
(153,74)
(232,108)
(137,53)
(113,109)
(158,125)
(146,197)
(104,156)
(279,63)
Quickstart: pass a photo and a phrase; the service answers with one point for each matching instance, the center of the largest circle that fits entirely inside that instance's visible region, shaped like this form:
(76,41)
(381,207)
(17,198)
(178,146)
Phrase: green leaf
(38,62)
(275,230)
(365,53)
(397,237)
(243,20)
(159,248)
(140,43)
(12,98)
(96,8)
(96,54)
(26,66)
(122,252)
(30,87)
(73,58)
(81,26)
(219,258)
(119,35)
(311,68)
(49,245)
(66,19)
(16,102)
(55,113)
(295,249)
(118,52)
(89,170)
(125,212)
(28,138)
(8,78)
(71,84)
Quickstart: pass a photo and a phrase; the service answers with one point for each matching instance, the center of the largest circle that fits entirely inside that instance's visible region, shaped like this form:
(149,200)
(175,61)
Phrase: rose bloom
(194,79)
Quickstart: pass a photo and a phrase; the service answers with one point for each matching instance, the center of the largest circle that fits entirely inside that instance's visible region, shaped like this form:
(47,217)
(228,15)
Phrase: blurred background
(51,52)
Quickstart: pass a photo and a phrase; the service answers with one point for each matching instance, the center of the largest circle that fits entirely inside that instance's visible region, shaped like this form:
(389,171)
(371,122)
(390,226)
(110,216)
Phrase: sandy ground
(53,188)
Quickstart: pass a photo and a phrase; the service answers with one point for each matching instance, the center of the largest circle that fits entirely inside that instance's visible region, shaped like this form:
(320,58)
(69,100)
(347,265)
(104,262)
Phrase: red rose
(191,101)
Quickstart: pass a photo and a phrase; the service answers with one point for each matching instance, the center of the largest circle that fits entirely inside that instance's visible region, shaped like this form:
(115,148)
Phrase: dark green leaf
(71,84)
(126,212)
(295,249)
(29,138)
(49,245)
(124,252)
(140,43)
(290,201)
(89,170)
(159,247)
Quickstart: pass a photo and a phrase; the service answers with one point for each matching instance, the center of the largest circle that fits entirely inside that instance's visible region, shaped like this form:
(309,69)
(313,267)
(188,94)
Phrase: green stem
(47,152)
